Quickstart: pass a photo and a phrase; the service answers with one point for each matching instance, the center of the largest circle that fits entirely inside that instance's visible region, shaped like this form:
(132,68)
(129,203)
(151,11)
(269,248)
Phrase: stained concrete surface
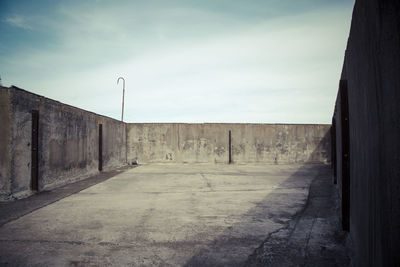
(163,215)
(10,211)
(313,238)
(5,142)
(209,143)
(68,143)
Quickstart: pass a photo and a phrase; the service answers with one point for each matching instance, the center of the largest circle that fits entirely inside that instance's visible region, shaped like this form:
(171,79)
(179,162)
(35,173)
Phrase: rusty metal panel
(35,151)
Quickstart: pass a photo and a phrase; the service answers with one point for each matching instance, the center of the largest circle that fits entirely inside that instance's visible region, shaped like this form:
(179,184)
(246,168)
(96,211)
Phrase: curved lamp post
(123,96)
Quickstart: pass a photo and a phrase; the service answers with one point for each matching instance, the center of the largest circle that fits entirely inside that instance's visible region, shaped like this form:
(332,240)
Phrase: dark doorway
(230,147)
(100,147)
(344,108)
(35,151)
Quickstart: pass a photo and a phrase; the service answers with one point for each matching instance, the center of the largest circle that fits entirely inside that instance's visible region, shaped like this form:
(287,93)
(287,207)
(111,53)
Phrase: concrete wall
(68,147)
(5,142)
(268,143)
(372,71)
(339,150)
(68,142)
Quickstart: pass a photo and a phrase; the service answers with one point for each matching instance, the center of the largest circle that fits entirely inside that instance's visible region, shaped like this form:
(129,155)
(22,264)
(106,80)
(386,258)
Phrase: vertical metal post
(123,96)
(123,100)
(344,106)
(35,151)
(100,147)
(230,147)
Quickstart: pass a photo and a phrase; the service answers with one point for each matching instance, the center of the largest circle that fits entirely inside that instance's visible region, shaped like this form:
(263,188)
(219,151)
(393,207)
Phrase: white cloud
(18,21)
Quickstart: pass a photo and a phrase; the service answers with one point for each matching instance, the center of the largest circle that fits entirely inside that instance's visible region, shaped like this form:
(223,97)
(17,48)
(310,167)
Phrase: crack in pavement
(207,181)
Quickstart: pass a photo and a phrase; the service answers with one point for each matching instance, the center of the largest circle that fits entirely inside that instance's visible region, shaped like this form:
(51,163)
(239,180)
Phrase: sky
(260,61)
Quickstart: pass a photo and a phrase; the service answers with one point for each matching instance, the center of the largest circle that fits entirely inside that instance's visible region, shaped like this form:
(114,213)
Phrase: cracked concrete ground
(165,215)
(313,237)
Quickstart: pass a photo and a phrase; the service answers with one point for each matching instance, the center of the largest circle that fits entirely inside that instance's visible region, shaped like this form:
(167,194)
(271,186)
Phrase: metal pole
(123,96)
(230,147)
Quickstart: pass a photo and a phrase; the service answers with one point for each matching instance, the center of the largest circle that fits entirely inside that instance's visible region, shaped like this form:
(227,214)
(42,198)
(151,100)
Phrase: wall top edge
(15,88)
(226,123)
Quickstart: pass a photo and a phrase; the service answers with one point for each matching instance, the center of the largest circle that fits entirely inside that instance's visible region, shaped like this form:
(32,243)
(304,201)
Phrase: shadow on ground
(10,211)
(306,234)
(313,238)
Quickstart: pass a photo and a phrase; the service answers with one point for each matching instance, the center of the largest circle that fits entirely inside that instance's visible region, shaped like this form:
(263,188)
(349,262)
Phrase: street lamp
(123,96)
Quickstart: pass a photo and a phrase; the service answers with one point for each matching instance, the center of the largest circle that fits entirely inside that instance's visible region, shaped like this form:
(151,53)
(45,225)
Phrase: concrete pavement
(162,215)
(313,238)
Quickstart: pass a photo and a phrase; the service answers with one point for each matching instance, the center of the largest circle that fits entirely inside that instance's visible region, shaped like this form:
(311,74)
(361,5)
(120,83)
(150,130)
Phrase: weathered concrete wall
(339,163)
(68,142)
(209,142)
(5,142)
(372,71)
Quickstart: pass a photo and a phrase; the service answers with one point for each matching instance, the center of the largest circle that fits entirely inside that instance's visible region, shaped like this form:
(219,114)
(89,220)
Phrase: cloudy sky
(260,61)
